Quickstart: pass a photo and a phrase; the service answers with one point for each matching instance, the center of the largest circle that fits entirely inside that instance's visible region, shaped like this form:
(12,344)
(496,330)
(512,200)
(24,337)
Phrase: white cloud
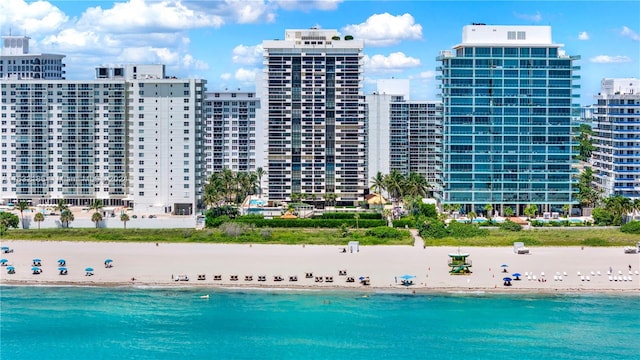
(606,59)
(247,55)
(189,62)
(246,75)
(427,75)
(395,62)
(148,55)
(142,16)
(583,36)
(225,76)
(630,33)
(32,18)
(385,29)
(306,5)
(537,17)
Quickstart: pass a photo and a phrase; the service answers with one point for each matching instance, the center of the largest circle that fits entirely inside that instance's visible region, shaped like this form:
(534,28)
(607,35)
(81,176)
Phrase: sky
(221,40)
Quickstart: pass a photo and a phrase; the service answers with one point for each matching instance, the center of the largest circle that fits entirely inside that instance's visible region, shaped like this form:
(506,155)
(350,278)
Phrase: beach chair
(533,277)
(217,277)
(293,278)
(555,277)
(598,272)
(565,273)
(559,278)
(582,278)
(248,278)
(593,273)
(587,278)
(637,272)
(610,278)
(579,274)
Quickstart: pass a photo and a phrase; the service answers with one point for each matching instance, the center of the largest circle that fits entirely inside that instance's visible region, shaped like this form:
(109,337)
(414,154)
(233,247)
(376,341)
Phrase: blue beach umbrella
(507,279)
(88,269)
(504,265)
(2,261)
(5,248)
(108,261)
(361,278)
(407,277)
(62,268)
(35,268)
(10,268)
(36,260)
(62,261)
(516,275)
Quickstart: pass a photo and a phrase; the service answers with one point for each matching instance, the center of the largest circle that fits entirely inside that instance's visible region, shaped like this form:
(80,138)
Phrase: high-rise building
(616,137)
(507,94)
(316,116)
(230,131)
(129,142)
(404,135)
(16,62)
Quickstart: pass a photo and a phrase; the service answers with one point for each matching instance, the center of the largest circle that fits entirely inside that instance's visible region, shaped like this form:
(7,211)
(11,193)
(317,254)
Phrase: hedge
(310,223)
(346,215)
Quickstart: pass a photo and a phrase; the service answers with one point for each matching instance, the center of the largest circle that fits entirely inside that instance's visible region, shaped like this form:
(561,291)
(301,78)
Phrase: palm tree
(62,207)
(38,217)
(619,206)
(96,205)
(417,185)
(260,173)
(66,216)
(22,206)
(377,183)
(124,218)
(489,210)
(531,211)
(330,198)
(357,217)
(96,218)
(394,182)
(472,215)
(295,197)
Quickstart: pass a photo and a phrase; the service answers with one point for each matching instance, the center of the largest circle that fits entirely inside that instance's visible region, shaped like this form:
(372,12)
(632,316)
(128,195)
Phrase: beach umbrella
(62,268)
(62,261)
(504,265)
(507,279)
(4,248)
(516,275)
(361,278)
(88,269)
(36,269)
(108,261)
(10,268)
(36,260)
(2,261)
(407,277)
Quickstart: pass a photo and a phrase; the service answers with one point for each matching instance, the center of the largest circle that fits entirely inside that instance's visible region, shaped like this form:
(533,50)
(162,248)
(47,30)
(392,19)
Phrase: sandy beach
(581,269)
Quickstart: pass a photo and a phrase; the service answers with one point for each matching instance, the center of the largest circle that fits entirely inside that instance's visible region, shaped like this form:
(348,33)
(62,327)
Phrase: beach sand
(158,265)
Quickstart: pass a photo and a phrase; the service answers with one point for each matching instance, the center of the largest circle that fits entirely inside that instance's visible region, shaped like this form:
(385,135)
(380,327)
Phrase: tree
(508,211)
(488,208)
(66,216)
(62,205)
(7,221)
(295,197)
(565,209)
(472,215)
(618,206)
(356,217)
(124,218)
(416,185)
(588,193)
(394,183)
(96,205)
(585,143)
(22,206)
(260,173)
(330,198)
(530,211)
(96,218)
(38,217)
(377,183)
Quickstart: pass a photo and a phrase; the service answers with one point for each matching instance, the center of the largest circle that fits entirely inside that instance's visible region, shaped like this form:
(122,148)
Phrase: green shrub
(213,222)
(632,227)
(463,230)
(432,228)
(347,215)
(594,242)
(408,221)
(385,232)
(509,225)
(602,217)
(310,223)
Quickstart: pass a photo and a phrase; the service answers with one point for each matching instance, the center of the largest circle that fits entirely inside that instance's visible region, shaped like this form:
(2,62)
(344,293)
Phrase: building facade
(507,94)
(616,137)
(315,114)
(129,142)
(230,131)
(16,62)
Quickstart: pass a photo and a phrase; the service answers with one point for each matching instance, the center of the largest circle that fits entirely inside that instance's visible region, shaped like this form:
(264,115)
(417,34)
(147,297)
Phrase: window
(511,35)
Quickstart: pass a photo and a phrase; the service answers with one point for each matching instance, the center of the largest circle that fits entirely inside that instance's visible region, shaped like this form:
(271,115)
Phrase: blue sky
(221,40)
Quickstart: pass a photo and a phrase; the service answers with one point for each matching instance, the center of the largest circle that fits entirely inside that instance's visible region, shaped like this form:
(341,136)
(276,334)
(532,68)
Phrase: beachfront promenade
(581,269)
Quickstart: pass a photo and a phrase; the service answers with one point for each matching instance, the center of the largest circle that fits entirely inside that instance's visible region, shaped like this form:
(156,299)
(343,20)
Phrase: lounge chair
(560,278)
(564,273)
(202,277)
(587,278)
(293,278)
(328,278)
(582,278)
(262,278)
(610,278)
(217,277)
(233,277)
(308,275)
(318,279)
(350,279)
(248,278)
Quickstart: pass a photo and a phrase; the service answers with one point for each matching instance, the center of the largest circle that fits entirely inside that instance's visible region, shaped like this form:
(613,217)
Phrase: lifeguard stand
(459,264)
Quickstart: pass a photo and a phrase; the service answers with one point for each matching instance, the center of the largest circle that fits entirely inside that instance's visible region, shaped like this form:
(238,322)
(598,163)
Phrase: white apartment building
(616,127)
(129,142)
(404,135)
(315,113)
(230,131)
(16,62)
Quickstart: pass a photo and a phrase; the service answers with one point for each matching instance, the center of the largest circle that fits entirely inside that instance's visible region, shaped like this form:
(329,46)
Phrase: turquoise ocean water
(127,323)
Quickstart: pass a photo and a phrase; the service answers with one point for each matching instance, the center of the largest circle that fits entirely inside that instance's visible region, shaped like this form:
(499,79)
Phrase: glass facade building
(507,95)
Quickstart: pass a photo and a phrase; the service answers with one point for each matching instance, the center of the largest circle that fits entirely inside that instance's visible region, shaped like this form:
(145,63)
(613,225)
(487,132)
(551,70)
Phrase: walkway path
(418,242)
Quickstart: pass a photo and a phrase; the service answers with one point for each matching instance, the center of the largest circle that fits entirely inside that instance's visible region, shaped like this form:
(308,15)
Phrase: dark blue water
(124,323)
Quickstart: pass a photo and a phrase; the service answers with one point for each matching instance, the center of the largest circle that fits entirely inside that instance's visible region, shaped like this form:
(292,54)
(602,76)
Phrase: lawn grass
(253,236)
(592,236)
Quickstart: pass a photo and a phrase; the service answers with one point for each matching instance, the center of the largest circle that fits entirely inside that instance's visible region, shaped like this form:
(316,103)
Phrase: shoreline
(445,291)
(565,270)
